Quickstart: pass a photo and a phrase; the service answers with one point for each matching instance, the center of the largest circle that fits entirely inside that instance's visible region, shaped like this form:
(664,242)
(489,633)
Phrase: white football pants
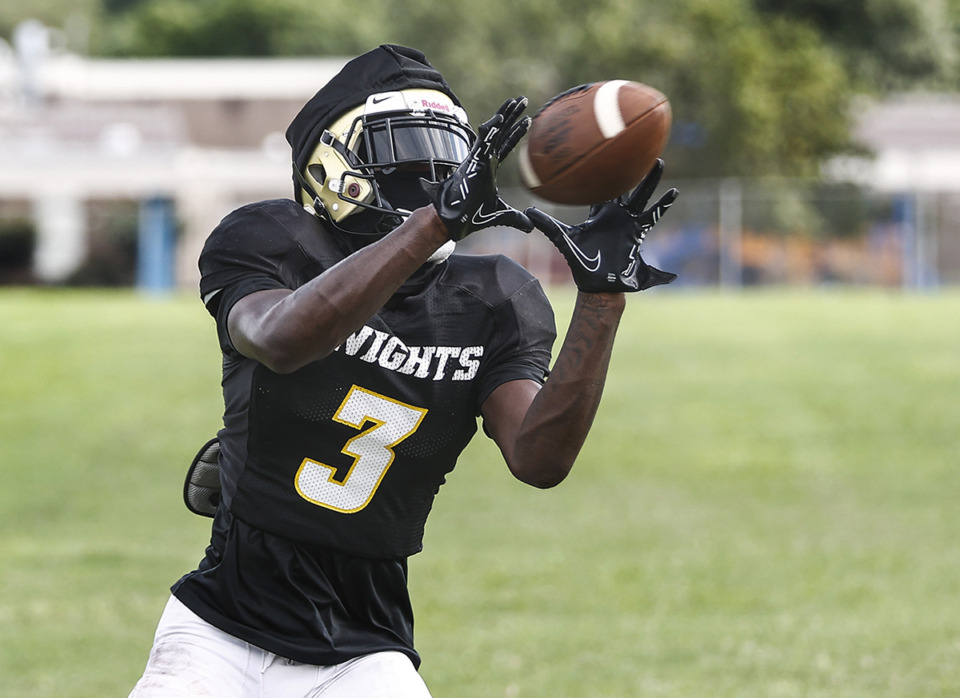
(192,659)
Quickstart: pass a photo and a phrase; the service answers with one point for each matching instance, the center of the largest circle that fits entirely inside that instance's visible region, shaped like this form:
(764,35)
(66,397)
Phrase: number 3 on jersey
(371,450)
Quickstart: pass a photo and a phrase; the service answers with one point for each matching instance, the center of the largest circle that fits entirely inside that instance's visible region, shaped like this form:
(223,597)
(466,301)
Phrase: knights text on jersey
(345,455)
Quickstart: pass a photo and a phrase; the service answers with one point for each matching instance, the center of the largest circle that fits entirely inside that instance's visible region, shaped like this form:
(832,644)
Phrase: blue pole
(905,216)
(156,245)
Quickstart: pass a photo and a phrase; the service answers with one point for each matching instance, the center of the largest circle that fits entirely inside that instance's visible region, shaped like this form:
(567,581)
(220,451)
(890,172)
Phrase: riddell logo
(435,106)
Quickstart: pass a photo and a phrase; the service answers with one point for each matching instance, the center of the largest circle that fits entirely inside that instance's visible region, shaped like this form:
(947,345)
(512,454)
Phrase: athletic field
(768,506)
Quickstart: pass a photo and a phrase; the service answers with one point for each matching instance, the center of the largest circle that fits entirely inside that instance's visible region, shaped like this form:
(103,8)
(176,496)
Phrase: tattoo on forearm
(591,330)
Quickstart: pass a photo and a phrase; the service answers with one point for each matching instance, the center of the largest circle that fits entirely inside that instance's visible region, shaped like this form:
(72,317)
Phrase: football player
(358,355)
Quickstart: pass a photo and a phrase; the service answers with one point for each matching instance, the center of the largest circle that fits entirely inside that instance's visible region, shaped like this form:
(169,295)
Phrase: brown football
(594,142)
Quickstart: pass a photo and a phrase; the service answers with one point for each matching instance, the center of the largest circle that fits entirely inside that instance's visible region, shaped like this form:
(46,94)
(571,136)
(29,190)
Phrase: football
(594,142)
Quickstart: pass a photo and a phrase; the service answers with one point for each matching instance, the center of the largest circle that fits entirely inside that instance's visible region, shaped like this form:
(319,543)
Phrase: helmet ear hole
(317,172)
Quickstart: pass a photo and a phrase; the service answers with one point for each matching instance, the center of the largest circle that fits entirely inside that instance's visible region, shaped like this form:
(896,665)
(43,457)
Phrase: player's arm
(540,432)
(285,330)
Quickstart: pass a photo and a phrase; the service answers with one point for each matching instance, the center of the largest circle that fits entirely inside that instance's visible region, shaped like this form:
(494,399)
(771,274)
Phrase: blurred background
(767,505)
(814,141)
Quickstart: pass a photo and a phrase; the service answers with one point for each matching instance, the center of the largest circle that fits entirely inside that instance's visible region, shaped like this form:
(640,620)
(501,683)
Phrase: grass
(766,505)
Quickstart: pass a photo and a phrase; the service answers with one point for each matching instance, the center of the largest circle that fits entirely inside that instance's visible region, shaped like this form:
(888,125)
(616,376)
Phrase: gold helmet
(373,156)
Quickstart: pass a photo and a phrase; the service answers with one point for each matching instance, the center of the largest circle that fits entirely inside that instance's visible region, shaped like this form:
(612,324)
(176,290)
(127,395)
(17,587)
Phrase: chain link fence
(735,233)
(727,234)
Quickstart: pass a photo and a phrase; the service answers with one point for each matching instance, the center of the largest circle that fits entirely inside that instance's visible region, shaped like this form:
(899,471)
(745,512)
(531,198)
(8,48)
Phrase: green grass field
(767,505)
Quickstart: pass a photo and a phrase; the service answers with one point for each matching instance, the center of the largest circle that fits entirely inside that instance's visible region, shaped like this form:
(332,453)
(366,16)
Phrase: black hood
(387,68)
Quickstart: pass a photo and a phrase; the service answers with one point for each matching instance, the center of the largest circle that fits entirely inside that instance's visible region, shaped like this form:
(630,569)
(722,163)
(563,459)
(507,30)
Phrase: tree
(758,87)
(885,44)
(749,97)
(237,28)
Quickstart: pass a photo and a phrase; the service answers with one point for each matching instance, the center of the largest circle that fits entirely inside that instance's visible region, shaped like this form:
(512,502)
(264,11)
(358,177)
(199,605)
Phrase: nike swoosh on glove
(603,252)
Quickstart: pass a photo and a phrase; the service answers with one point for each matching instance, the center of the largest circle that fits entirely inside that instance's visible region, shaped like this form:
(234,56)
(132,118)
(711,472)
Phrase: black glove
(468,199)
(603,252)
(201,488)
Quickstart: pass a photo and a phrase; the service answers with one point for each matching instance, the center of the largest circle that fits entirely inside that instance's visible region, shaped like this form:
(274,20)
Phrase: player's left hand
(468,199)
(603,252)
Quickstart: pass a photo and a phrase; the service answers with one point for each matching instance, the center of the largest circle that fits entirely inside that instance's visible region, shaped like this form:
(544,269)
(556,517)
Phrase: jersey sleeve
(251,250)
(526,331)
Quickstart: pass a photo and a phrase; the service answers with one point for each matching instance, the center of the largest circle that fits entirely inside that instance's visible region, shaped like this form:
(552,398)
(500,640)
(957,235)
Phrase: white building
(915,139)
(206,135)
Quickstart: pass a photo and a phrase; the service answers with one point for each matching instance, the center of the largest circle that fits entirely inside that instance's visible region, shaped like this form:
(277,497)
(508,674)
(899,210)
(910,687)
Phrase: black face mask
(402,188)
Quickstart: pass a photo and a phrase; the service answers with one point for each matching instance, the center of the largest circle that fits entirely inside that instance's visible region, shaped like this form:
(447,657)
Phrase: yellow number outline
(371,450)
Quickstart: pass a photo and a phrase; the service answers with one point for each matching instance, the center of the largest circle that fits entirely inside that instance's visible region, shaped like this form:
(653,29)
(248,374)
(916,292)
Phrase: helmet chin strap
(354,241)
(366,225)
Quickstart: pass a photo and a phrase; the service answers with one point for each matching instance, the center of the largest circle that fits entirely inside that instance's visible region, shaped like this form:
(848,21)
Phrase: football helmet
(373,157)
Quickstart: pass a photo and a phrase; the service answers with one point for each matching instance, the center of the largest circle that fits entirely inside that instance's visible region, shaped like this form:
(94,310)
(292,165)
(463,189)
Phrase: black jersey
(329,472)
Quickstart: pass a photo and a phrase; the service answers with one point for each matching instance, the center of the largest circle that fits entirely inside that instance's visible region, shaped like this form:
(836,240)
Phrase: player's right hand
(468,199)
